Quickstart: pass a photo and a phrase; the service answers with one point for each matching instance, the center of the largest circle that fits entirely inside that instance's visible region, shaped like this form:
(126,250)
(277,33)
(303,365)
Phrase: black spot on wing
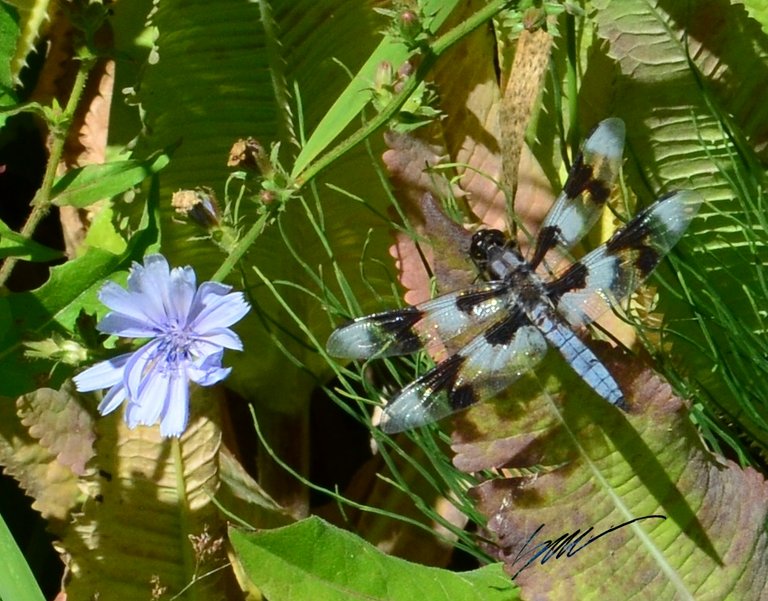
(574,278)
(464,396)
(581,179)
(547,238)
(635,239)
(399,328)
(504,332)
(443,377)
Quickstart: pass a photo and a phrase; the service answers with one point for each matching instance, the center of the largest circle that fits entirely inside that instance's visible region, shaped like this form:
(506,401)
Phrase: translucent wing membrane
(502,328)
(612,271)
(479,371)
(433,323)
(586,190)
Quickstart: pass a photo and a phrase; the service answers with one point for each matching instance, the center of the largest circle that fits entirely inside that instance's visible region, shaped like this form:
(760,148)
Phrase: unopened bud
(199,205)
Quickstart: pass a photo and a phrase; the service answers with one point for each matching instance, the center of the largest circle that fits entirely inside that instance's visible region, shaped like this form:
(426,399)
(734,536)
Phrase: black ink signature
(567,544)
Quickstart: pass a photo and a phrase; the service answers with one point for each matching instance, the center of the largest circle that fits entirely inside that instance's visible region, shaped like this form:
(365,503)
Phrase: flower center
(175,346)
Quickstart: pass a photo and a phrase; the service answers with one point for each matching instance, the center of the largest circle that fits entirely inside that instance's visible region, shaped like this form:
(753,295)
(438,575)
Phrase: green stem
(572,83)
(430,56)
(437,48)
(241,248)
(41,203)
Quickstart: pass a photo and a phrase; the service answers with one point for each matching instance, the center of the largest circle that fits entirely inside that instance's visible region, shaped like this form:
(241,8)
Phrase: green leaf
(9,35)
(250,99)
(13,244)
(598,467)
(33,19)
(358,93)
(54,307)
(315,560)
(16,580)
(86,185)
(705,129)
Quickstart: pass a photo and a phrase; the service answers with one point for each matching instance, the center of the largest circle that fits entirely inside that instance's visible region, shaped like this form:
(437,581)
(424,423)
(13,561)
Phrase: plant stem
(241,248)
(41,203)
(429,58)
(437,48)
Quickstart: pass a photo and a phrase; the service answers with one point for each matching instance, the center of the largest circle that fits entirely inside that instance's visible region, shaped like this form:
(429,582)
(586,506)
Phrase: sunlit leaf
(313,560)
(146,497)
(54,307)
(83,186)
(592,466)
(13,244)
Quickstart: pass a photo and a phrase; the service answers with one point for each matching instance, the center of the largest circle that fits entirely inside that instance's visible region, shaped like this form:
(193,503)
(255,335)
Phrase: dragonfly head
(487,245)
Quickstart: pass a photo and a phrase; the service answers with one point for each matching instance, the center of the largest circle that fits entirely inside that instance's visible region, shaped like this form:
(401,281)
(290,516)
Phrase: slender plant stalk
(41,203)
(437,48)
(241,248)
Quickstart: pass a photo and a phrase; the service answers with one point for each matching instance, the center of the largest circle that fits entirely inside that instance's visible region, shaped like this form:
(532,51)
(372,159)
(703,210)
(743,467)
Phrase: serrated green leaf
(597,467)
(9,34)
(13,244)
(33,17)
(56,304)
(83,186)
(315,560)
(758,10)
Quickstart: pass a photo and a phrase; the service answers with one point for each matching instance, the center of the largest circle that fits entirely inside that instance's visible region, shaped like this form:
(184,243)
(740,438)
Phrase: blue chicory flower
(189,330)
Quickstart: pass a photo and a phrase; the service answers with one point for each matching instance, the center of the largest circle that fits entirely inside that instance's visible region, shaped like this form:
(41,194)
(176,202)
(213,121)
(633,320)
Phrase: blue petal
(208,371)
(128,303)
(176,413)
(182,292)
(150,405)
(112,399)
(142,362)
(222,337)
(127,326)
(149,285)
(102,375)
(213,308)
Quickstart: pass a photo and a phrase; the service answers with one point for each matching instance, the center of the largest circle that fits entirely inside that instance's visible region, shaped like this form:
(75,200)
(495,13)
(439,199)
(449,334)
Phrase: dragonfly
(504,325)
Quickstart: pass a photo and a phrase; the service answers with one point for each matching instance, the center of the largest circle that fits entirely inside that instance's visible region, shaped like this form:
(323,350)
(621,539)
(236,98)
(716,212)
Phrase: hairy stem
(429,57)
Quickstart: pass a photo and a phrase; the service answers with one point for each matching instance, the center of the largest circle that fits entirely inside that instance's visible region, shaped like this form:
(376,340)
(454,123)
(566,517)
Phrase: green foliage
(16,579)
(13,244)
(84,186)
(55,306)
(309,241)
(315,560)
(9,33)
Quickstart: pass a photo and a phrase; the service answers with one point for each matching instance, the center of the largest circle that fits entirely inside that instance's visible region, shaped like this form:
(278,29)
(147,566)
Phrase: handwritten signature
(567,544)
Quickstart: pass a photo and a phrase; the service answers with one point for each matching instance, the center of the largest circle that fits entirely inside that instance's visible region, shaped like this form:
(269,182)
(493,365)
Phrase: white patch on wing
(357,340)
(525,350)
(607,139)
(406,411)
